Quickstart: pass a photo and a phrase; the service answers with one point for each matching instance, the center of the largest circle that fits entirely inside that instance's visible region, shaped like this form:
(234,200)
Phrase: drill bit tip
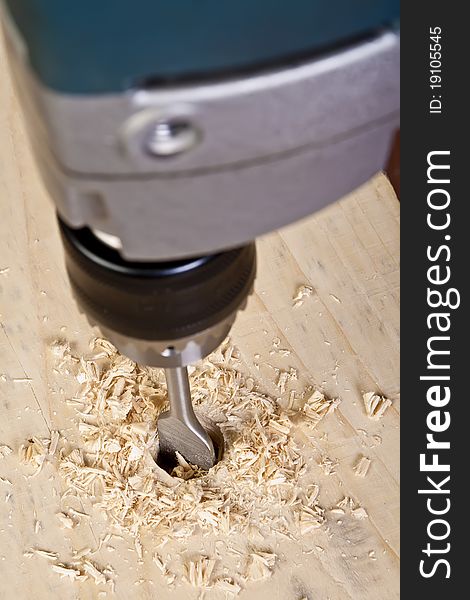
(179,430)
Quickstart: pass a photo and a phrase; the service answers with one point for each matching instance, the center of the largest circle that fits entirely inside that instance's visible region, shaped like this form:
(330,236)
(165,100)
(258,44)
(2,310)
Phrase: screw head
(170,137)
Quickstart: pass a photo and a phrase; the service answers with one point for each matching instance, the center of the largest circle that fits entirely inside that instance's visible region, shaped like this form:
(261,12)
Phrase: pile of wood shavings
(260,487)
(254,485)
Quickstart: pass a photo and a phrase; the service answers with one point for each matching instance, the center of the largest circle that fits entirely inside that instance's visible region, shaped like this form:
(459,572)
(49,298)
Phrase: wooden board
(343,340)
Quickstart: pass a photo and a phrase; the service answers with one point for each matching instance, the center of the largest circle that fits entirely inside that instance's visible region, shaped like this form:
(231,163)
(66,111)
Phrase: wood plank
(342,340)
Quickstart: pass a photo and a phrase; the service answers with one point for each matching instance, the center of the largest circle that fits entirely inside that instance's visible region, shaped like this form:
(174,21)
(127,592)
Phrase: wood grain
(343,340)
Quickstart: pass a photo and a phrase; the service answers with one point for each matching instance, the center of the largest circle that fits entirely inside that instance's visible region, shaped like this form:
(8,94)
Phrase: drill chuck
(164,314)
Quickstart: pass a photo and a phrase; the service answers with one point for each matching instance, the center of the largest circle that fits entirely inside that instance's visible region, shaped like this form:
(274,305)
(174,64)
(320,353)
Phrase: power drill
(170,134)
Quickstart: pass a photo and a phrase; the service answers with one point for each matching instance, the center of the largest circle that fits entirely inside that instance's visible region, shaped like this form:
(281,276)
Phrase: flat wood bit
(179,429)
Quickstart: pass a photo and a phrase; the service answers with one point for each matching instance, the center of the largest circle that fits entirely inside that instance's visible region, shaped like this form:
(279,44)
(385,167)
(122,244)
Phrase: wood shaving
(184,470)
(77,513)
(61,349)
(90,569)
(45,554)
(34,453)
(348,504)
(317,406)
(54,443)
(69,572)
(260,566)
(201,572)
(282,381)
(138,548)
(65,521)
(359,513)
(169,576)
(5,450)
(198,572)
(280,351)
(228,586)
(361,467)
(303,291)
(78,570)
(311,518)
(375,405)
(62,353)
(328,465)
(83,552)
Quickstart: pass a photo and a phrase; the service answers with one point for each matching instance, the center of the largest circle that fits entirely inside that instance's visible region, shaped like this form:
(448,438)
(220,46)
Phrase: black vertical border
(422,132)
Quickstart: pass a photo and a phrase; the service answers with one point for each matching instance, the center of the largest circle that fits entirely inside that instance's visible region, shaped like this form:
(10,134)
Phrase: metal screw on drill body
(171,137)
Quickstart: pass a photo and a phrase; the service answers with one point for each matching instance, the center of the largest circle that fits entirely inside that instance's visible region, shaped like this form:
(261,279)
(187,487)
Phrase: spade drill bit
(179,429)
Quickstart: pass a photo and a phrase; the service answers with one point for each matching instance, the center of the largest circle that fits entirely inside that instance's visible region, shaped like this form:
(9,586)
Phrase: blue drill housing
(108,46)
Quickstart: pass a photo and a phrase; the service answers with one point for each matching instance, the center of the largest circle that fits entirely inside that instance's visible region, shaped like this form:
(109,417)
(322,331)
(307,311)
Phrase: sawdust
(261,485)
